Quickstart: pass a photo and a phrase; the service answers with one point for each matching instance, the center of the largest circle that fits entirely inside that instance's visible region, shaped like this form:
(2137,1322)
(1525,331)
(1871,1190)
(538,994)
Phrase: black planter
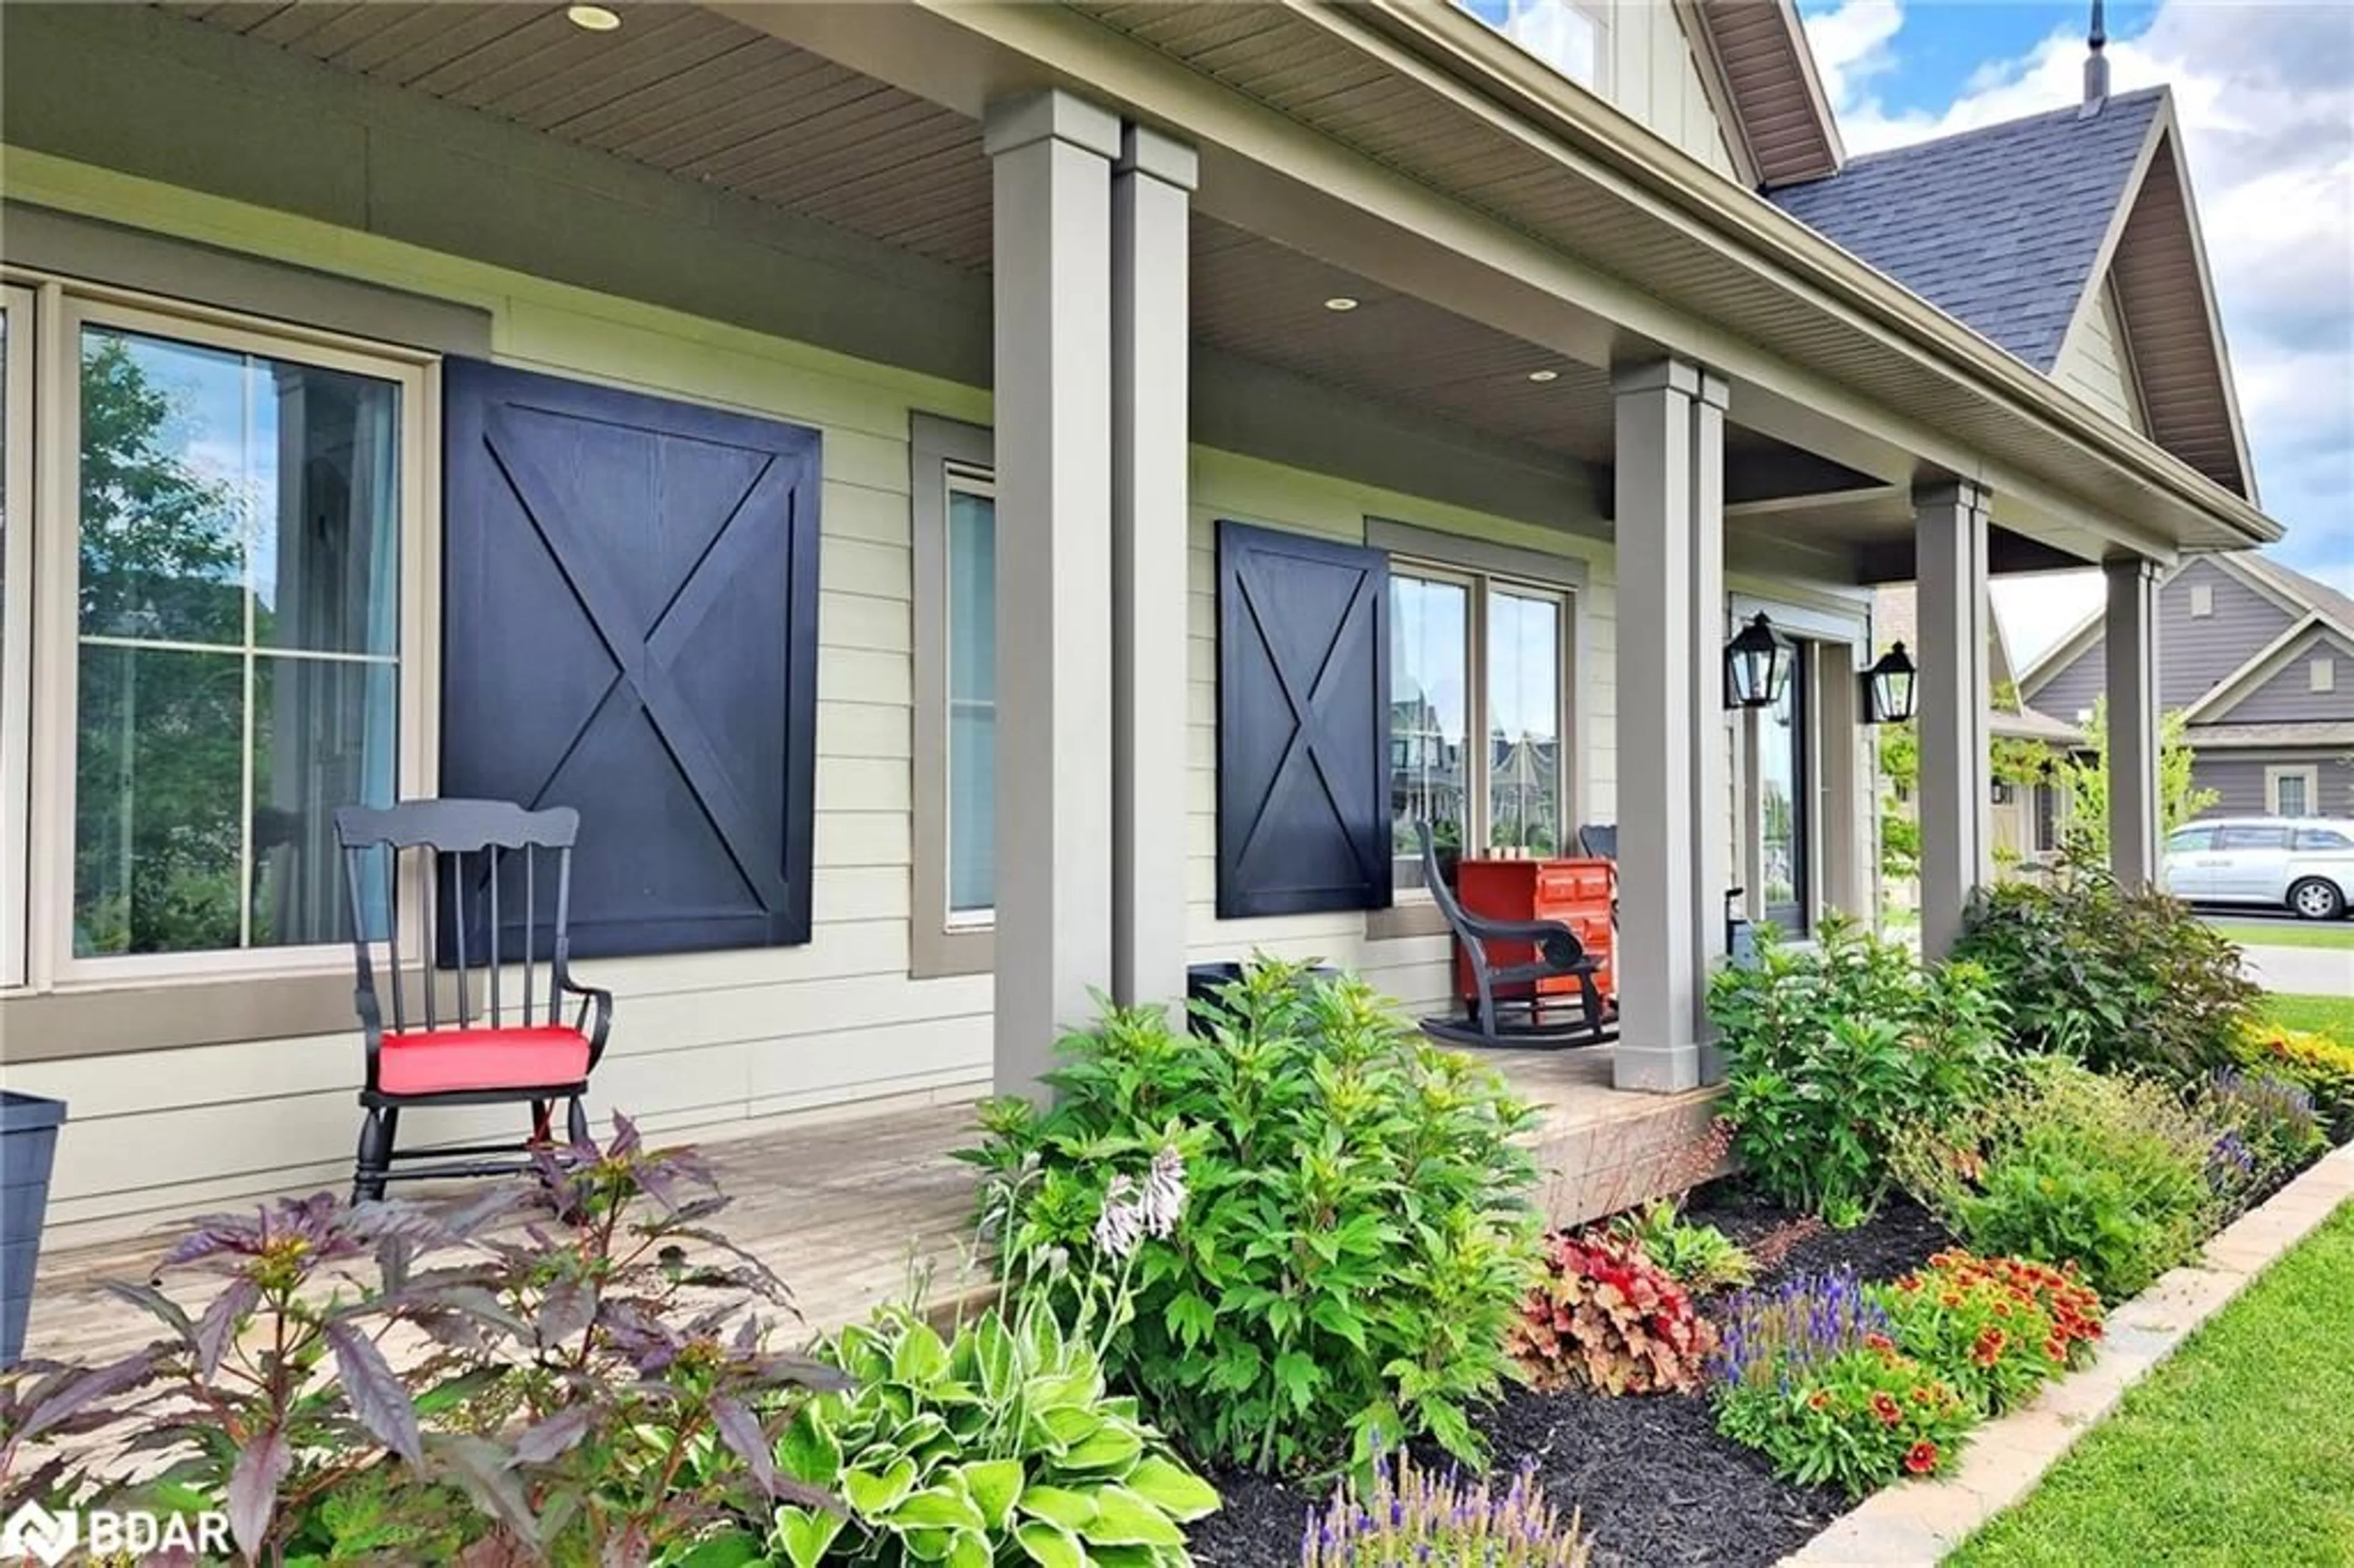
(28,1145)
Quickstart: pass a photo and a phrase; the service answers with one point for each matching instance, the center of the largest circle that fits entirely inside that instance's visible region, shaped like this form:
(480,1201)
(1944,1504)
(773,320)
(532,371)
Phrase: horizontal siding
(2238,778)
(2288,698)
(2095,368)
(712,1042)
(2197,653)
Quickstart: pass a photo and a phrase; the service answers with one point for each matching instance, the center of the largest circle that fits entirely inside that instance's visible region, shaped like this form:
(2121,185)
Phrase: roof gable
(1760,67)
(2004,227)
(2283,693)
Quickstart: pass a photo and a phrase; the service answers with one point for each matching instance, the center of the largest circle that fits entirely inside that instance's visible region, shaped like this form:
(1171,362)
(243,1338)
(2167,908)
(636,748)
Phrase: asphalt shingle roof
(1999,227)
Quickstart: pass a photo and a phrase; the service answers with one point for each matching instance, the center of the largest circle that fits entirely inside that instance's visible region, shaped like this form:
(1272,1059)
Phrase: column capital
(1144,151)
(1954,495)
(1011,124)
(2131,567)
(1684,377)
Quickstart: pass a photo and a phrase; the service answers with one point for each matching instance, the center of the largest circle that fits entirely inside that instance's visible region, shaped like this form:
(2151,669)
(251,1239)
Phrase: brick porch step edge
(1917,1522)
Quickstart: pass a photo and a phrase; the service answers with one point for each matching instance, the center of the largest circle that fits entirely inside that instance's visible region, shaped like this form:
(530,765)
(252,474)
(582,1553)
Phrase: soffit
(677,89)
(2176,351)
(1776,96)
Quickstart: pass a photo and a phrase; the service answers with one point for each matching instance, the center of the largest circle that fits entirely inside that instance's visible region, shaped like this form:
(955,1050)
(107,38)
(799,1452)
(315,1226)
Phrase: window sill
(1416,917)
(163,1015)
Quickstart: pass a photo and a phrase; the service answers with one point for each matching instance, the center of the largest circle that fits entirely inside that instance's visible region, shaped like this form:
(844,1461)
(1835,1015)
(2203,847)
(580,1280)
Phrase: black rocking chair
(467,850)
(1509,1010)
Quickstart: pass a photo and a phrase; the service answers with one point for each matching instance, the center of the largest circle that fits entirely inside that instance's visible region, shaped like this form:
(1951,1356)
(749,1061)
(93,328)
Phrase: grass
(2336,936)
(2330,1015)
(2238,1449)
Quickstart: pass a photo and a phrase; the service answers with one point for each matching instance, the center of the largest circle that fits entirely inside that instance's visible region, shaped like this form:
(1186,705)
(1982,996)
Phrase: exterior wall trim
(935,445)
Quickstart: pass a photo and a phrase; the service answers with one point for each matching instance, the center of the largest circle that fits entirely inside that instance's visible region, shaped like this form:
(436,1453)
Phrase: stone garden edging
(1917,1522)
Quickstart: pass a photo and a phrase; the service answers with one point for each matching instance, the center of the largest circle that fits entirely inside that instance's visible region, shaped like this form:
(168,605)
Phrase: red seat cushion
(447,1060)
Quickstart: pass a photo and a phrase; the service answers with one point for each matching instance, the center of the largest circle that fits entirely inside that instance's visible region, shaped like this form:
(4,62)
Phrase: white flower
(1164,1192)
(1122,1224)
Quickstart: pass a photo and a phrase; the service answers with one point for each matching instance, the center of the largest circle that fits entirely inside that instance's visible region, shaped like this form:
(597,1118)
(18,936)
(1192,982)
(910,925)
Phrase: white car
(2304,864)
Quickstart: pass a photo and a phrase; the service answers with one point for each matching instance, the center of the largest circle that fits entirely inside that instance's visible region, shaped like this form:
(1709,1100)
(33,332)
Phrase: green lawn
(2336,935)
(2237,1450)
(2330,1015)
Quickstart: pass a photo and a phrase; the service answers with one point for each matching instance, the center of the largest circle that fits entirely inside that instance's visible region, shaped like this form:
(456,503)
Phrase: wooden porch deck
(847,1209)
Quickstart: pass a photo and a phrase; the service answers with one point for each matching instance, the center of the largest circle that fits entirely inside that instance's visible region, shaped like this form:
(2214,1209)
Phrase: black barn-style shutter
(1303,723)
(630,628)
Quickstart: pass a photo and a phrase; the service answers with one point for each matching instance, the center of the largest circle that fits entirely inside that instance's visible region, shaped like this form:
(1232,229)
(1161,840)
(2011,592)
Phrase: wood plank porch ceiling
(705,98)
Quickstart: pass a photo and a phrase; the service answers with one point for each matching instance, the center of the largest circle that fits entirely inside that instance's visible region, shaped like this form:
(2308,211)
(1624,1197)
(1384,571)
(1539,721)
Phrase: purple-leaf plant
(520,1377)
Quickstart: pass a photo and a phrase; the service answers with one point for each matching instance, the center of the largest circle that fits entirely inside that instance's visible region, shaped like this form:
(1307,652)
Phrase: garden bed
(1649,1475)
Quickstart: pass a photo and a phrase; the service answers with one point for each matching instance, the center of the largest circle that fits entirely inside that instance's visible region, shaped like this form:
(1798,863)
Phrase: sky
(2264,93)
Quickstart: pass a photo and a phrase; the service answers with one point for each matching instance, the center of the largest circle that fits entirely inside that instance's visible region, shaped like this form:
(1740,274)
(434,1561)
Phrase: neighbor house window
(230,573)
(1571,35)
(2321,675)
(1477,656)
(2047,818)
(2202,599)
(2289,791)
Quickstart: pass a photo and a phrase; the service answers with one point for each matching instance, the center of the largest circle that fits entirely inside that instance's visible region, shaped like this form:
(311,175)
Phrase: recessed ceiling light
(1544,375)
(1339,303)
(593,18)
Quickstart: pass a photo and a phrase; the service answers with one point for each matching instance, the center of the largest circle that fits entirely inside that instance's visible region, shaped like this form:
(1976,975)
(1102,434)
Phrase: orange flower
(1989,1349)
(1887,1409)
(2055,1351)
(1922,1458)
(1950,1299)
(1878,1342)
(1818,1399)
(2002,1309)
(1924,1394)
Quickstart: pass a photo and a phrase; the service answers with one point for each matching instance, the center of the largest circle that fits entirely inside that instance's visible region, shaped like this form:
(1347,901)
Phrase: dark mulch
(1652,1480)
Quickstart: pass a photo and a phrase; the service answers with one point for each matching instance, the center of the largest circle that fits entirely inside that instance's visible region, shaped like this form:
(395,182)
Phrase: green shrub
(999,1447)
(1358,1235)
(2119,980)
(1696,1257)
(2322,1067)
(2114,1174)
(1835,1045)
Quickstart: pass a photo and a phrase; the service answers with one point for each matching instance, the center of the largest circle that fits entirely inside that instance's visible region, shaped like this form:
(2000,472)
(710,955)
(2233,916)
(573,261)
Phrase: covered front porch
(856,1210)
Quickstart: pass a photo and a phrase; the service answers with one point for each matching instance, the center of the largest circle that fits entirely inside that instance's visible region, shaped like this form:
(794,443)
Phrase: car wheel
(2316,898)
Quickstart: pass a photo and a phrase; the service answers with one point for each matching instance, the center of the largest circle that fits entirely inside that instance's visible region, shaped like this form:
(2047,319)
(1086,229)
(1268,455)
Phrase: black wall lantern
(1756,666)
(1888,687)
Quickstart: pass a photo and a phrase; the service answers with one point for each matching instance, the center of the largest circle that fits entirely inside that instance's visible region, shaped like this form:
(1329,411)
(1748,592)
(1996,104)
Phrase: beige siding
(1412,968)
(713,1040)
(2096,366)
(1654,78)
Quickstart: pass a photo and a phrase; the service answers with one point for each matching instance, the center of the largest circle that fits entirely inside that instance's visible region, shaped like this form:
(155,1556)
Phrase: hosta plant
(1603,1316)
(1358,1235)
(1810,1375)
(576,1376)
(1995,1327)
(1408,1515)
(1002,1444)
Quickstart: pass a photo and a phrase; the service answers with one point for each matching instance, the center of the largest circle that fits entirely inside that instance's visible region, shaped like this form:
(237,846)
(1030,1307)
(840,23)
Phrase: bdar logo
(34,1531)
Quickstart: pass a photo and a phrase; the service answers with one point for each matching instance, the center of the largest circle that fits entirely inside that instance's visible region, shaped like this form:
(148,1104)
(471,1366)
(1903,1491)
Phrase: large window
(1474,656)
(229,561)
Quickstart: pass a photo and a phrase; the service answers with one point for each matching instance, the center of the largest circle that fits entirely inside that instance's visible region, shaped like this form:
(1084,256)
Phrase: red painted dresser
(1578,893)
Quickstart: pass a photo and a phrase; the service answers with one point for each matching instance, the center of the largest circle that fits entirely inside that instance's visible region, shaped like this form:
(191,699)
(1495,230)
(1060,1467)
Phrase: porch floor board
(850,1210)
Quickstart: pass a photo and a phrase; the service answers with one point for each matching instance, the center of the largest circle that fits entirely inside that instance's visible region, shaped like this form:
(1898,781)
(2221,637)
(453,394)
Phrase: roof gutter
(1762,236)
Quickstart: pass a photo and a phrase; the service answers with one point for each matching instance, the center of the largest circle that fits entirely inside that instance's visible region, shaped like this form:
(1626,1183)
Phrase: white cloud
(2265,97)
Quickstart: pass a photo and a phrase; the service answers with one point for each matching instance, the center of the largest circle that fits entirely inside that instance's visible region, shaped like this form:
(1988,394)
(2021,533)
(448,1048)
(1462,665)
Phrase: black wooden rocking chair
(467,851)
(1509,1010)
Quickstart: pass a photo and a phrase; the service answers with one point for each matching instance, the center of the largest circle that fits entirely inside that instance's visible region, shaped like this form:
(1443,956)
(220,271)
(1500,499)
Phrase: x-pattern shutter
(1303,723)
(630,628)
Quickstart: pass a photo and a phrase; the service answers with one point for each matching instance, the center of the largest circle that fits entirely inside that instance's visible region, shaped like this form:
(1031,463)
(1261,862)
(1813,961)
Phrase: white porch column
(1673,859)
(1053,156)
(1949,530)
(1151,189)
(2130,638)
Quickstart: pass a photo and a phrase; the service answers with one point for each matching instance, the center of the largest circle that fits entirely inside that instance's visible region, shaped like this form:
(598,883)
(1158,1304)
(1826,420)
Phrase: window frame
(2321,674)
(942,453)
(21,305)
(2307,773)
(63,311)
(1479,583)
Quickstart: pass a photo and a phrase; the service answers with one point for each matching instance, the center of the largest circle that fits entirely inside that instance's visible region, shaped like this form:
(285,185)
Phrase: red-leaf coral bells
(1606,1316)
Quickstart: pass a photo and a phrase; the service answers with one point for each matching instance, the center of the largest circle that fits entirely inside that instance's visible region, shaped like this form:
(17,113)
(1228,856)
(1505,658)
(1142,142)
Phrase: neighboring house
(774,428)
(2260,660)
